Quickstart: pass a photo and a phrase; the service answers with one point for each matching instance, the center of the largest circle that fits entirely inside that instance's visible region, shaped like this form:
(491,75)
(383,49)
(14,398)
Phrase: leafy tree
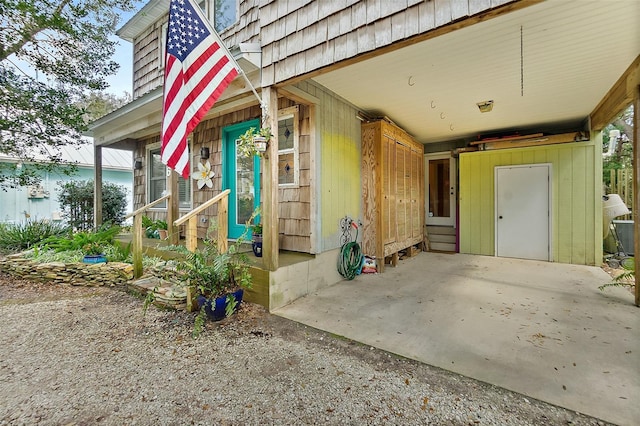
(623,153)
(76,203)
(52,54)
(99,104)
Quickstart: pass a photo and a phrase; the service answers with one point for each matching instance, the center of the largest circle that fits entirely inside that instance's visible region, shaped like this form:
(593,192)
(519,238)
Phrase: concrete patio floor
(537,328)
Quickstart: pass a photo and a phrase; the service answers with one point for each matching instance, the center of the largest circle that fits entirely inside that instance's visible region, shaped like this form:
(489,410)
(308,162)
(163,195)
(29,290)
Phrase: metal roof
(82,156)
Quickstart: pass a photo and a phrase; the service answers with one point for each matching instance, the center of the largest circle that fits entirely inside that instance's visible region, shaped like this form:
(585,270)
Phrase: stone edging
(80,274)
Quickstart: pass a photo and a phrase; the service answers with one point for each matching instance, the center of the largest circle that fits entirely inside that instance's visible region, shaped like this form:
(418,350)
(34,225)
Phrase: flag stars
(186,29)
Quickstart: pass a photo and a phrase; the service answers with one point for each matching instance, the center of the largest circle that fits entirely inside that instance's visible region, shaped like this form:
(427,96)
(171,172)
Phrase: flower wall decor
(204,175)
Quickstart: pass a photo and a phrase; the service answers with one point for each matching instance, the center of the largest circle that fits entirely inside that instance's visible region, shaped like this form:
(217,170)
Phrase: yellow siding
(576,216)
(338,150)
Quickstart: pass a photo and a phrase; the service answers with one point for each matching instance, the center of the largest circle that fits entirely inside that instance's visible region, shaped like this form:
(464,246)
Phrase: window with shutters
(157,180)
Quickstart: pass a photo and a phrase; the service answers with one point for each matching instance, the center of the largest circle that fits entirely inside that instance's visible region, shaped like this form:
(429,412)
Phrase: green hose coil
(350,259)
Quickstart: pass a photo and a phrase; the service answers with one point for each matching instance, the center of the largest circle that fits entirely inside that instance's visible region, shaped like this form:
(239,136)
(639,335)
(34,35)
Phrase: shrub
(76,202)
(81,240)
(21,236)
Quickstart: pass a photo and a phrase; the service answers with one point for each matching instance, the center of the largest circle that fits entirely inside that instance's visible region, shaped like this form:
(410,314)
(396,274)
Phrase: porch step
(441,230)
(442,238)
(451,247)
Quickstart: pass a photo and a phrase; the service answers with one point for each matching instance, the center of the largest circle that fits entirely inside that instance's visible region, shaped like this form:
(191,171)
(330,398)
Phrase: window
(288,156)
(225,14)
(157,180)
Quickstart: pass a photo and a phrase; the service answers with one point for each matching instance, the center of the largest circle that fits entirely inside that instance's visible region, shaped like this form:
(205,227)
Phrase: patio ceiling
(544,66)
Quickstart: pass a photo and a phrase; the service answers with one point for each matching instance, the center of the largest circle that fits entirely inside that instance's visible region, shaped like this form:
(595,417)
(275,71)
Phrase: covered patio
(541,329)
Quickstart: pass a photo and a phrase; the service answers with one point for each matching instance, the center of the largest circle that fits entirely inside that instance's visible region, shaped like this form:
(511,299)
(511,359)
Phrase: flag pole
(253,89)
(241,71)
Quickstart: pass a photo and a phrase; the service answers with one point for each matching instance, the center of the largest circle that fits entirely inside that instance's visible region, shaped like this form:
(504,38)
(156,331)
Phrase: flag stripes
(197,72)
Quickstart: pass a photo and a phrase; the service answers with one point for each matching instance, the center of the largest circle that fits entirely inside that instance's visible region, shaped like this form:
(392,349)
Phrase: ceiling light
(485,106)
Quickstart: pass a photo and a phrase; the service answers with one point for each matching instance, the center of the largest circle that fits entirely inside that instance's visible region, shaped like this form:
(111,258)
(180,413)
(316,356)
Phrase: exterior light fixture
(485,106)
(204,152)
(137,165)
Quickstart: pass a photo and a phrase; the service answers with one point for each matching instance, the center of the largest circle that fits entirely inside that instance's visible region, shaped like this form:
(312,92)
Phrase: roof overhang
(141,118)
(147,16)
(546,66)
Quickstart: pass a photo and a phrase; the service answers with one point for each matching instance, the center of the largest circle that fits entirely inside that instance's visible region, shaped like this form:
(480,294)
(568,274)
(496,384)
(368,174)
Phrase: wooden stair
(442,238)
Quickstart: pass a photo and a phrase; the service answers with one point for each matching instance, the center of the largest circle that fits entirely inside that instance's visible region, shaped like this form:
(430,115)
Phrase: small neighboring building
(41,201)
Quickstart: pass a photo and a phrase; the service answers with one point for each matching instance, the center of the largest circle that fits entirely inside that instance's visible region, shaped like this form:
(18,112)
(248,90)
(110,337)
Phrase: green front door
(242,176)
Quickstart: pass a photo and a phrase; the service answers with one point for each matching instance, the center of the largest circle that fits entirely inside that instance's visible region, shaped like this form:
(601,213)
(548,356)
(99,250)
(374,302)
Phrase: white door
(523,207)
(440,189)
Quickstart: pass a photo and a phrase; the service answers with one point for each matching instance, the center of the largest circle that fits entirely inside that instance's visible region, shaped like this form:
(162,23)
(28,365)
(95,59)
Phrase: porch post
(173,206)
(97,186)
(270,246)
(636,186)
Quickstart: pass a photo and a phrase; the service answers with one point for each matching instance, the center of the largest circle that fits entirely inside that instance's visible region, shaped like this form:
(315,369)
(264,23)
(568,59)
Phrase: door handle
(499,217)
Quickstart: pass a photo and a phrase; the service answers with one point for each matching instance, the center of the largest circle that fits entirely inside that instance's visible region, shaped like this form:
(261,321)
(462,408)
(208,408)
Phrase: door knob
(499,217)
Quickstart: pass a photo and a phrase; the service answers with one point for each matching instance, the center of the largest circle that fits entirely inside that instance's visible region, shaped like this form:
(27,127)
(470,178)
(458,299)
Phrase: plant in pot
(219,279)
(154,228)
(254,142)
(256,239)
(162,228)
(93,253)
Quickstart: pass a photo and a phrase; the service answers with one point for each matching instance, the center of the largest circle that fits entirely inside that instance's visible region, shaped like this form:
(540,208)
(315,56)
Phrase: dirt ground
(74,355)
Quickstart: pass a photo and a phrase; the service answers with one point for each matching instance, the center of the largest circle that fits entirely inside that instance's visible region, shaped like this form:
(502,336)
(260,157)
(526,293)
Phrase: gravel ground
(76,356)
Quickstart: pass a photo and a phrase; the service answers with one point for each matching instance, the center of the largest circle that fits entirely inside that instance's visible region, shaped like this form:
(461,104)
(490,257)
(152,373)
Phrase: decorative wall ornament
(204,175)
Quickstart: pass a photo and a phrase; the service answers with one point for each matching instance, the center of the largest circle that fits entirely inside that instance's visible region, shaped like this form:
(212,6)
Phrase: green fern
(625,279)
(230,305)
(198,323)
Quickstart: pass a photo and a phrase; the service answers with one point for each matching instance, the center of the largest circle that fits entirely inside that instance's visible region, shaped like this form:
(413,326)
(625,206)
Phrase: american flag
(198,68)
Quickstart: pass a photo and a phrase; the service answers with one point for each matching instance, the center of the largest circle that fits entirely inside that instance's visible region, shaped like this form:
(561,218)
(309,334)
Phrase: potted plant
(256,239)
(155,228)
(254,142)
(219,279)
(162,228)
(93,253)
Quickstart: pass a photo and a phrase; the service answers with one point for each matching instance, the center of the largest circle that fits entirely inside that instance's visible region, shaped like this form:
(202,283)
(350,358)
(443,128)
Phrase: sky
(123,80)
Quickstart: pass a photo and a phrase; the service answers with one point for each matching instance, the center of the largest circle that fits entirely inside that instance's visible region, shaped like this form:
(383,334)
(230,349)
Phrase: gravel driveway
(76,356)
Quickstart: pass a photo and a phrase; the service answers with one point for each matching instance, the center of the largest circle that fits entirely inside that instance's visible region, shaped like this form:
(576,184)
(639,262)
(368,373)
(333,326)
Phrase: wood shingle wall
(298,37)
(148,71)
(294,208)
(294,202)
(302,36)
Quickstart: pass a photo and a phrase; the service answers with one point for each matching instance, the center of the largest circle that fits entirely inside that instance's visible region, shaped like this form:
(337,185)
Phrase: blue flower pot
(216,309)
(94,258)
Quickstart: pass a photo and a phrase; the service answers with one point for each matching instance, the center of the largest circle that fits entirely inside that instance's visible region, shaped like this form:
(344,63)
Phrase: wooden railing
(190,218)
(136,241)
(192,221)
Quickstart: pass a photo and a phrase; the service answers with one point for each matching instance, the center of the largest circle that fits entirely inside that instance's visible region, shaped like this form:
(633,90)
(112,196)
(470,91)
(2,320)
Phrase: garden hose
(350,259)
